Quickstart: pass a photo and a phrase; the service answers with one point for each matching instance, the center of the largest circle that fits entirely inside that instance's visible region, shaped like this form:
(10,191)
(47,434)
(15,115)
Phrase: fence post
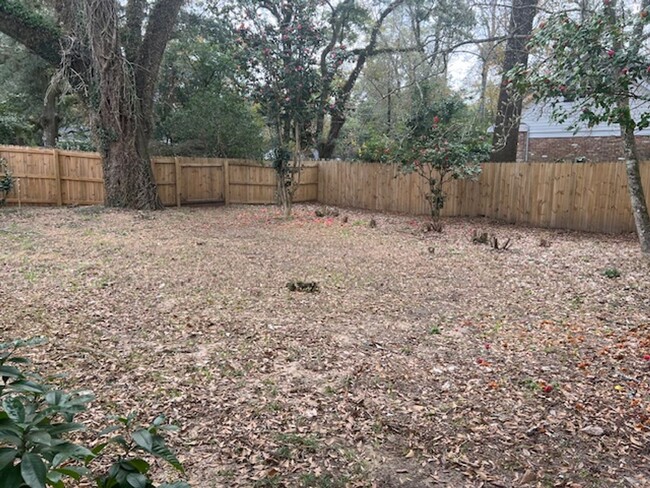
(226,182)
(57,174)
(177,163)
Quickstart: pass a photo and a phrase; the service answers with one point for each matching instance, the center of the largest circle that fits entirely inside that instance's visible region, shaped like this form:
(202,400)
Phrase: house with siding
(543,139)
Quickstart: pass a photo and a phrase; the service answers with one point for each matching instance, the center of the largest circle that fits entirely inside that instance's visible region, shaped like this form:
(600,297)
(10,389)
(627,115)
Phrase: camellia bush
(36,421)
(276,48)
(599,60)
(442,146)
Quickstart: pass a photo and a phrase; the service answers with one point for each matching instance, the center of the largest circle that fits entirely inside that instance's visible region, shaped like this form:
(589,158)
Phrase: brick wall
(569,149)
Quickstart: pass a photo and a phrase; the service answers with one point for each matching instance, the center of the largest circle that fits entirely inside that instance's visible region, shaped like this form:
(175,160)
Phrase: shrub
(611,273)
(36,420)
(377,149)
(442,145)
(6,180)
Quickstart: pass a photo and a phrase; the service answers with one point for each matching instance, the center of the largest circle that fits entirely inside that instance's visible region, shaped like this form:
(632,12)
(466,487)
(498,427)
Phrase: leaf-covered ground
(424,359)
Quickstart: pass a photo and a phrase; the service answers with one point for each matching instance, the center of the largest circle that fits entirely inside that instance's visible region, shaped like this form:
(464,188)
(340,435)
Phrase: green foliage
(442,145)
(277,56)
(14,130)
(280,157)
(6,180)
(377,149)
(76,140)
(595,62)
(36,420)
(200,109)
(30,14)
(213,124)
(25,79)
(611,273)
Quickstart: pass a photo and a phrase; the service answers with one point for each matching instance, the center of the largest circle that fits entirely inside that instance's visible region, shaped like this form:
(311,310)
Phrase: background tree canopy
(354,71)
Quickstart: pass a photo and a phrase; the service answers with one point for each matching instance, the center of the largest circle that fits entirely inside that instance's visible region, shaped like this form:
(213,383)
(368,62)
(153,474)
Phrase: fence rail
(580,196)
(57,177)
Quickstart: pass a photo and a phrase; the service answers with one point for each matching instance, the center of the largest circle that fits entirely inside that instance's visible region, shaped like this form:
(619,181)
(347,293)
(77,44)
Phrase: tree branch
(39,34)
(135,13)
(370,47)
(159,29)
(338,118)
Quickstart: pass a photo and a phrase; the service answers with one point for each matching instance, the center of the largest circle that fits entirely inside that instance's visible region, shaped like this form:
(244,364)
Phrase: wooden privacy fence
(56,177)
(580,196)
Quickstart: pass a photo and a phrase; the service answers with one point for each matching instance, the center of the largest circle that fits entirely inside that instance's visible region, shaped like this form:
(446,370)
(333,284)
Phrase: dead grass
(453,366)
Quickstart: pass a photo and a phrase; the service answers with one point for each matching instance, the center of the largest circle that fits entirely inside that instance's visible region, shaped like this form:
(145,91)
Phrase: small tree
(6,180)
(277,45)
(600,61)
(442,147)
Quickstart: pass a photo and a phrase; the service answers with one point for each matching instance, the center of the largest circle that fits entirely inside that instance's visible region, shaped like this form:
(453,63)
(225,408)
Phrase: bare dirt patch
(422,359)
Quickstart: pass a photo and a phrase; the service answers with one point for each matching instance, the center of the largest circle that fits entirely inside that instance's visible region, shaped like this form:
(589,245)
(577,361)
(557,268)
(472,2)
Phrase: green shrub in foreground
(36,419)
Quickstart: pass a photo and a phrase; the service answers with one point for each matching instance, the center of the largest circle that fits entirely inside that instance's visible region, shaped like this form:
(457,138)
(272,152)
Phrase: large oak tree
(112,62)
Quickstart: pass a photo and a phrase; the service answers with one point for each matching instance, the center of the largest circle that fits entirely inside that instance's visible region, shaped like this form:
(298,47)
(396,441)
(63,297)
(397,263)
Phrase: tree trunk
(114,75)
(128,175)
(286,206)
(485,69)
(635,187)
(506,125)
(326,147)
(50,118)
(120,127)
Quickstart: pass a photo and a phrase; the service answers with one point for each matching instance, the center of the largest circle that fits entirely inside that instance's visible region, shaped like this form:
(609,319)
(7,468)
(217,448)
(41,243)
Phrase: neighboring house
(543,139)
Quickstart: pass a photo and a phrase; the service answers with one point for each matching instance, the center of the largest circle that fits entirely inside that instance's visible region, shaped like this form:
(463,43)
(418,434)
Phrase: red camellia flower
(646,357)
(548,388)
(610,53)
(436,120)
